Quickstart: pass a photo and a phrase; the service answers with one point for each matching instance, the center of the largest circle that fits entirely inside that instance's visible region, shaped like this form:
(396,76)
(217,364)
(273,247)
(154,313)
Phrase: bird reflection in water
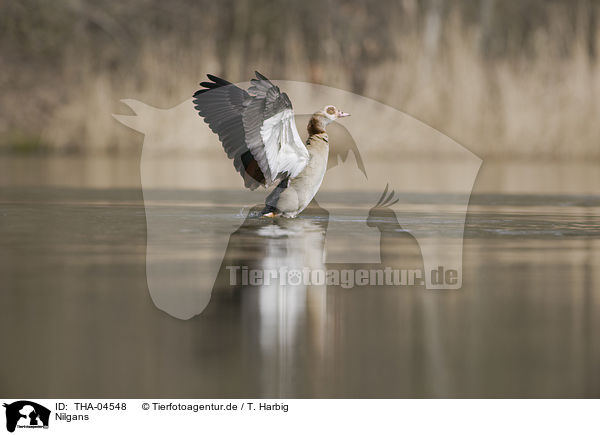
(292,336)
(273,326)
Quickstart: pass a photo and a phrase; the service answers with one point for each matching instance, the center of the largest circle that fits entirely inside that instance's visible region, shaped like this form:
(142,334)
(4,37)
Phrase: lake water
(77,318)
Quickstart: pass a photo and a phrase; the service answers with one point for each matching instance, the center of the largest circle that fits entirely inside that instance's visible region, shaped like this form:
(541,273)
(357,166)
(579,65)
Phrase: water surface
(76,317)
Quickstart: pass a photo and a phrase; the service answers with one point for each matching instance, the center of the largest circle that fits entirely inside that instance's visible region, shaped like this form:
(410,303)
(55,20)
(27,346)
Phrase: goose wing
(256,127)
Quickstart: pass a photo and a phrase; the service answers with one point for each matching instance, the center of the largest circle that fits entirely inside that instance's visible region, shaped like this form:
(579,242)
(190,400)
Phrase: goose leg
(271,214)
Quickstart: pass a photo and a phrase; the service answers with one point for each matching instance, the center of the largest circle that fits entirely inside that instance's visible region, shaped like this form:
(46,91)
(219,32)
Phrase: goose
(257,130)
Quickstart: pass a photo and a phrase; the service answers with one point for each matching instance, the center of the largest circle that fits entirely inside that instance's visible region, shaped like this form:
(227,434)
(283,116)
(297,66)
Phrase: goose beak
(343,114)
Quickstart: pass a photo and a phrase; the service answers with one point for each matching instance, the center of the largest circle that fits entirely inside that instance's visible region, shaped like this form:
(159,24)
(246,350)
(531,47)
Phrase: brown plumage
(315,126)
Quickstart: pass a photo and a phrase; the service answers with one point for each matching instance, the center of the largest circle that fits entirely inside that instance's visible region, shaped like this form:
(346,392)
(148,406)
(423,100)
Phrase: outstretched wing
(256,127)
(221,104)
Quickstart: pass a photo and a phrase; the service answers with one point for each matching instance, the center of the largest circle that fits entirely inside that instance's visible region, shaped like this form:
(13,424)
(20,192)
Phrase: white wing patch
(284,149)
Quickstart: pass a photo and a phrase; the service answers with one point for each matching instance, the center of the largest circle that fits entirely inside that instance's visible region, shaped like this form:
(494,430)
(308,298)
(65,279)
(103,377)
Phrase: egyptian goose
(258,132)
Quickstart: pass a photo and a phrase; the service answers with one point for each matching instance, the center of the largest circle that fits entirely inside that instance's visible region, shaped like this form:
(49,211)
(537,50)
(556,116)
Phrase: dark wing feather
(221,104)
(237,116)
(252,121)
(275,100)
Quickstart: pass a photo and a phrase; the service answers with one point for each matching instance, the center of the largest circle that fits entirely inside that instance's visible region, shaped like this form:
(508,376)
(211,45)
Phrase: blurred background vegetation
(506,78)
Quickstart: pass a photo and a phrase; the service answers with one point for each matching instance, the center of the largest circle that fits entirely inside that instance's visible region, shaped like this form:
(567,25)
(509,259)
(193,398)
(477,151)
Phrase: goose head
(329,114)
(322,117)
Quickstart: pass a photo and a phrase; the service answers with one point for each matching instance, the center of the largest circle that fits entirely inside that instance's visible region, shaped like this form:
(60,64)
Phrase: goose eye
(331,110)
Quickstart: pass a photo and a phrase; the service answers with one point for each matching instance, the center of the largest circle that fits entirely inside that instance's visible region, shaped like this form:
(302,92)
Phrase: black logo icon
(26,414)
